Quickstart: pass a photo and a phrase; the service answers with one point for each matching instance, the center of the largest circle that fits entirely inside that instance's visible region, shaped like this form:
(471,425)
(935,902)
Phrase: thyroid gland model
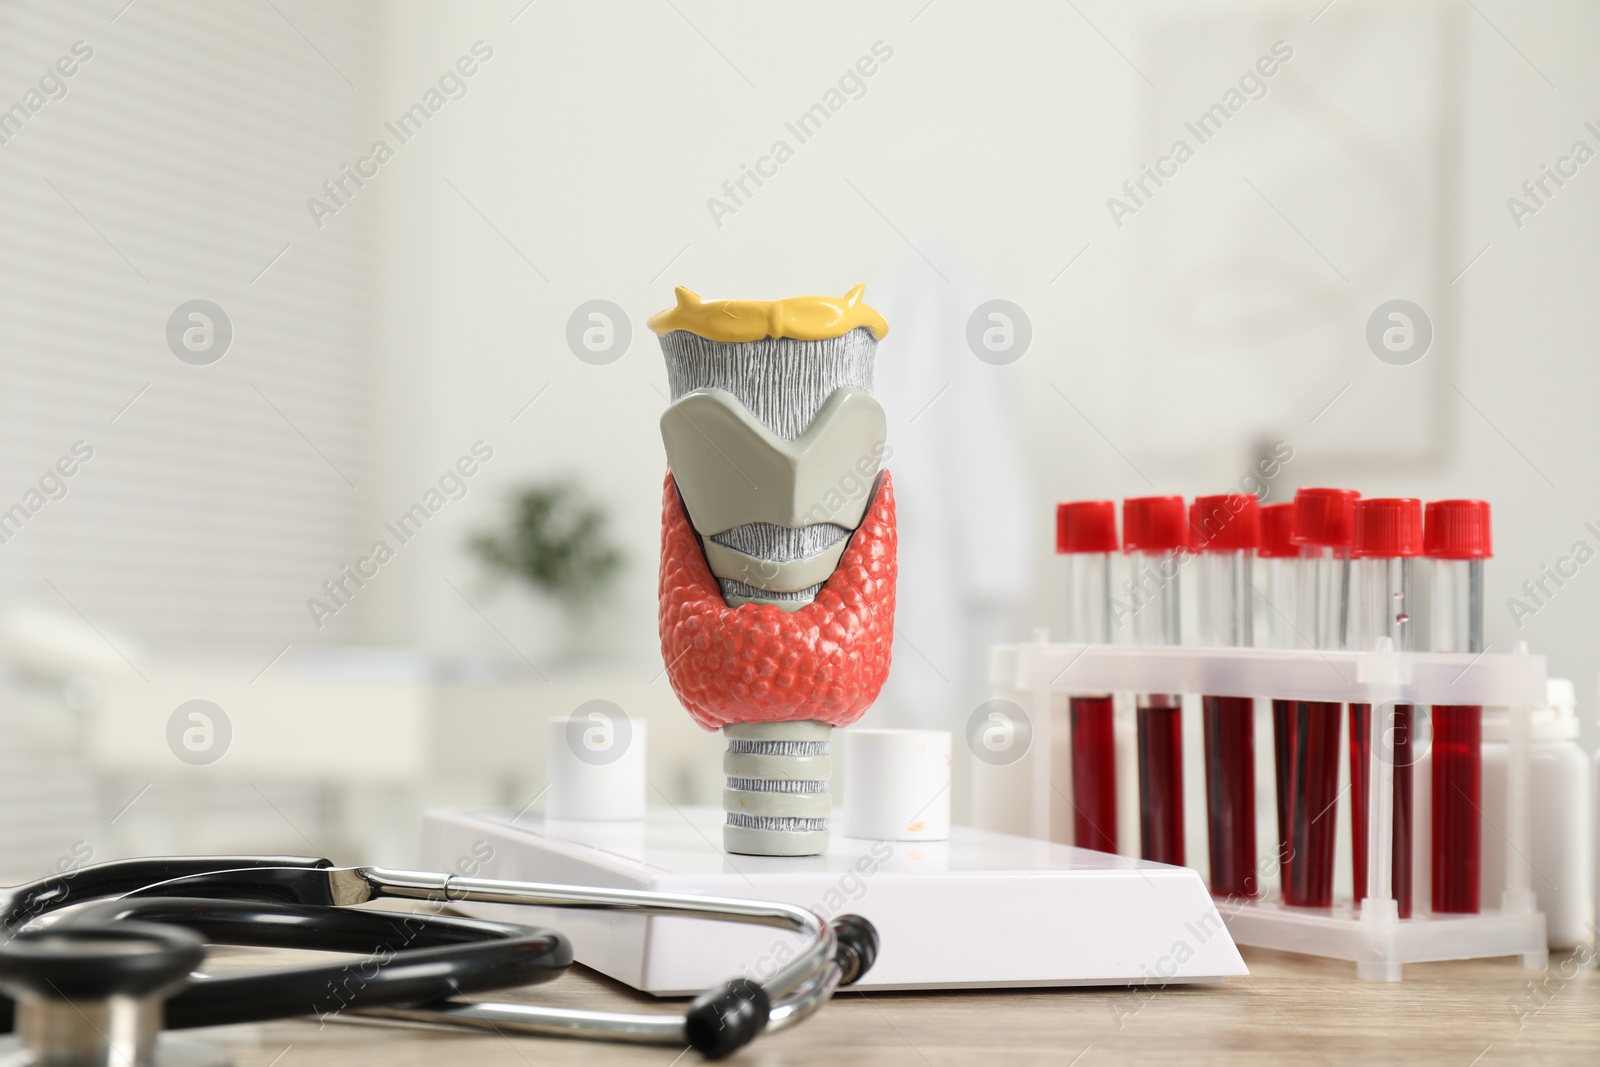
(777,546)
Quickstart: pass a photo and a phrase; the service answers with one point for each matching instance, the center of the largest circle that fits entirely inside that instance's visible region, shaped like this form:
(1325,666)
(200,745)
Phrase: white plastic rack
(1018,797)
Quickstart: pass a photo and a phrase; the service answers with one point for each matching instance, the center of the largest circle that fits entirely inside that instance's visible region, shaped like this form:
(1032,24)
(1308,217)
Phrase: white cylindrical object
(595,762)
(897,785)
(1559,802)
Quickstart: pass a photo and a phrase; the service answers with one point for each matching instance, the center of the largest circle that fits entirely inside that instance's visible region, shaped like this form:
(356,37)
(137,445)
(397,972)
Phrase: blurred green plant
(556,542)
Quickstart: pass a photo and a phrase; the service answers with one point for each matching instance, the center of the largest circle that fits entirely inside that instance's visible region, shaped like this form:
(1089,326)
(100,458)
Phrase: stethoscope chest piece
(93,996)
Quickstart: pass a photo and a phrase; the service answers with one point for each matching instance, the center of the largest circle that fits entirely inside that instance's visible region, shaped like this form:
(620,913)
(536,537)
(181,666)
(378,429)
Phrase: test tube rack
(1018,797)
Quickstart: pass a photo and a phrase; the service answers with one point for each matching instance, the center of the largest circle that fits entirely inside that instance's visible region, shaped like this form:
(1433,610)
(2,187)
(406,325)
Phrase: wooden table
(1291,1009)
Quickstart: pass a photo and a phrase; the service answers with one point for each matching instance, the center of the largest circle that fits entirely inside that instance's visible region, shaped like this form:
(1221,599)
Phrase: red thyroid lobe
(759,663)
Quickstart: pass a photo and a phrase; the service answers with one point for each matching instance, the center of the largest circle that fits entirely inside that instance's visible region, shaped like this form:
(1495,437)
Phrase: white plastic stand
(1034,676)
(980,910)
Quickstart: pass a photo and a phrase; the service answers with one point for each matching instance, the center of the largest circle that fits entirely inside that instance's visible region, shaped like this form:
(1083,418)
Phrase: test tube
(1324,528)
(1456,538)
(1086,533)
(1388,537)
(1227,530)
(1279,556)
(1155,535)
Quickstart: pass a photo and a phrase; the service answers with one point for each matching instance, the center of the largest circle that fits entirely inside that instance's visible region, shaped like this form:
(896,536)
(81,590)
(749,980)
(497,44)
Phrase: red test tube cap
(1457,529)
(1388,528)
(1154,524)
(1086,526)
(1277,532)
(1226,522)
(1325,517)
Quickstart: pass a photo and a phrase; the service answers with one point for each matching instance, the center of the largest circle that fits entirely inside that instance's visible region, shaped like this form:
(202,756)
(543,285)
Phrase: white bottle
(1560,806)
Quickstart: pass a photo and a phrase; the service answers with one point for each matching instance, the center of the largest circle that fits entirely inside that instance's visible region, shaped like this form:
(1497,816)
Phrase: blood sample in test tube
(1324,528)
(1086,533)
(1155,534)
(1457,539)
(1388,537)
(1277,559)
(1227,531)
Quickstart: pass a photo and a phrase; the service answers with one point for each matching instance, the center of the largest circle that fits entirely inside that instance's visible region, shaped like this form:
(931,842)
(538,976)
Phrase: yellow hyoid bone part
(804,318)
(731,470)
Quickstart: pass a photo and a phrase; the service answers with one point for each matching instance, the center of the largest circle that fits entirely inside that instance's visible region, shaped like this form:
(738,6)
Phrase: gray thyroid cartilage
(774,446)
(733,471)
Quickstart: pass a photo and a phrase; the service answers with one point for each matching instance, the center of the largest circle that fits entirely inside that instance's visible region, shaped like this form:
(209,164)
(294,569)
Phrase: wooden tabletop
(1291,1009)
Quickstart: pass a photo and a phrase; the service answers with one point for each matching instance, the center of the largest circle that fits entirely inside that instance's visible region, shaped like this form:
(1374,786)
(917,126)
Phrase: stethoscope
(96,986)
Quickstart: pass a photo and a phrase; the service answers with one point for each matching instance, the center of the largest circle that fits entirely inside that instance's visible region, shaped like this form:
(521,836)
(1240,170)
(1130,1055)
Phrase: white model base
(981,910)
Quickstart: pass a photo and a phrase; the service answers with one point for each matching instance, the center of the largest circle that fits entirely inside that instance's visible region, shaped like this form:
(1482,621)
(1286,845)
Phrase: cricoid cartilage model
(777,546)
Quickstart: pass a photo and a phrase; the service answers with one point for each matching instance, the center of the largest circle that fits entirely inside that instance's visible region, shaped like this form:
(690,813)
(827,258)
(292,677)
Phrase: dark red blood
(1312,802)
(1229,724)
(1160,737)
(759,663)
(1457,807)
(1094,774)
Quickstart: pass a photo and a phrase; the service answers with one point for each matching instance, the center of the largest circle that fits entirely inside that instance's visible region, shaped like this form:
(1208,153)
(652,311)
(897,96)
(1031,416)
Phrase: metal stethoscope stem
(795,991)
(415,885)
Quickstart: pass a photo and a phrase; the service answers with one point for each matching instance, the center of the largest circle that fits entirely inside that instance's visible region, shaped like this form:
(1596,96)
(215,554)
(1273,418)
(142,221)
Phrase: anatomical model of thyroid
(777,546)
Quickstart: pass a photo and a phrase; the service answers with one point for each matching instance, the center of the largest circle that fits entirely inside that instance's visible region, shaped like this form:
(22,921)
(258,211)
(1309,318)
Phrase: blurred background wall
(376,317)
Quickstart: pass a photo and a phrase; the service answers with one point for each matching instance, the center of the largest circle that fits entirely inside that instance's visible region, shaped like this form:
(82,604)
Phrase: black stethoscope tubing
(405,959)
(290,879)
